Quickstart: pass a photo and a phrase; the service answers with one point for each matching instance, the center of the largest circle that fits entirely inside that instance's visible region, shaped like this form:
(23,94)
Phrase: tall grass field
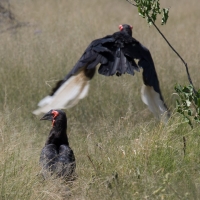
(121,150)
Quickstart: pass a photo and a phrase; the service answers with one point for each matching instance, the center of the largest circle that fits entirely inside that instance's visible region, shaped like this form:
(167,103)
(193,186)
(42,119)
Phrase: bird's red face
(55,114)
(51,115)
(121,27)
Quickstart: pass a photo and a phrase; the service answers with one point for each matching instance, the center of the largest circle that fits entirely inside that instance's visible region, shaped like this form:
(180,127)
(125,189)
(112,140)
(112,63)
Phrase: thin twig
(7,12)
(188,74)
(18,25)
(92,162)
(186,66)
(184,145)
(131,3)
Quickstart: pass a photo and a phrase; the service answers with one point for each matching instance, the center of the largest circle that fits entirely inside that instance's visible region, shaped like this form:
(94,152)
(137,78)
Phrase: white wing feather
(45,101)
(68,95)
(154,103)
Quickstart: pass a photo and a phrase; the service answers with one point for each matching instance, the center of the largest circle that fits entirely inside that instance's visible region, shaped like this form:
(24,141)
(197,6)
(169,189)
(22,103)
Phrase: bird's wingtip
(42,104)
(152,99)
(37,111)
(46,100)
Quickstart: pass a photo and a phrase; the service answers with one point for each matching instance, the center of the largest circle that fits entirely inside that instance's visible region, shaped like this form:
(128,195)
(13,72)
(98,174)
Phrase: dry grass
(121,151)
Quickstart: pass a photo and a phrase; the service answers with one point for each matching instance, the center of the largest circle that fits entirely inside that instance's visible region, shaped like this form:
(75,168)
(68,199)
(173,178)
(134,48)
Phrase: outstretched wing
(67,95)
(75,85)
(150,93)
(116,56)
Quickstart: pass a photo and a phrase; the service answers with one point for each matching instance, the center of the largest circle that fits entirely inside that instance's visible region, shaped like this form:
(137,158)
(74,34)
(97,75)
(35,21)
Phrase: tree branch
(188,74)
(184,145)
(186,66)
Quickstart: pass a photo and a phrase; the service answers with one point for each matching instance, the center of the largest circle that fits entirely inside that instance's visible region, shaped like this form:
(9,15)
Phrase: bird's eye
(55,113)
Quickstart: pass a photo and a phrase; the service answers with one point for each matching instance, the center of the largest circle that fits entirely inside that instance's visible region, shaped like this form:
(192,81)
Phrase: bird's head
(54,115)
(127,28)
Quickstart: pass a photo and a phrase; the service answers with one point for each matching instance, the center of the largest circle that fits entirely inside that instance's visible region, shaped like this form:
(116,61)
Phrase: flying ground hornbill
(56,156)
(116,54)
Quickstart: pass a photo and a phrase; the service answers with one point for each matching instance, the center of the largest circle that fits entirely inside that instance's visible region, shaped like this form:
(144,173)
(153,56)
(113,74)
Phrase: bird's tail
(118,65)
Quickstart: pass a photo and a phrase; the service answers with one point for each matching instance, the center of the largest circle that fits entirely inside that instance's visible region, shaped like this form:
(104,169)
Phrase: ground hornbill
(116,53)
(56,156)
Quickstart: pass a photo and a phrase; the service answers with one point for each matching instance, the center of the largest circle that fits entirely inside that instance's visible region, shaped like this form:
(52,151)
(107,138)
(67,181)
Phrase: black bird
(116,53)
(56,156)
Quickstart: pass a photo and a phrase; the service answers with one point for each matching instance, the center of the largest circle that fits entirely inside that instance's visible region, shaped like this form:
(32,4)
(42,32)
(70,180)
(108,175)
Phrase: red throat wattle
(55,114)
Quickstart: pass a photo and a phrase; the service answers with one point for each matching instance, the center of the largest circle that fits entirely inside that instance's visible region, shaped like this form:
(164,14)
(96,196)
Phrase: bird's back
(66,164)
(57,160)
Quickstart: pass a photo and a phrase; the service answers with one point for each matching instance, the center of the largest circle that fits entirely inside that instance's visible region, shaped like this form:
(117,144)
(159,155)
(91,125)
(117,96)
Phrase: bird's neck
(60,126)
(58,134)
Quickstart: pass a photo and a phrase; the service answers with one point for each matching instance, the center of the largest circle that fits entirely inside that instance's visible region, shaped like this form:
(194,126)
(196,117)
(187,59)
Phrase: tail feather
(129,68)
(123,64)
(113,69)
(104,69)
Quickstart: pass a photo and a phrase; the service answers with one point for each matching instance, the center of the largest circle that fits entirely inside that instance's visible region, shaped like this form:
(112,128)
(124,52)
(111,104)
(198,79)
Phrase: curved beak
(47,116)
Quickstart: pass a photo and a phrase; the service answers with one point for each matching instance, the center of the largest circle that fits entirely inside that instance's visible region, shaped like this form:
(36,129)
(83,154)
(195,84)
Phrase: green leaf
(188,104)
(165,16)
(150,8)
(189,112)
(198,102)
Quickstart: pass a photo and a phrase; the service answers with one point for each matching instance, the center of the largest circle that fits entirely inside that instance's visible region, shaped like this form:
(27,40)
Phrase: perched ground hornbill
(56,156)
(116,54)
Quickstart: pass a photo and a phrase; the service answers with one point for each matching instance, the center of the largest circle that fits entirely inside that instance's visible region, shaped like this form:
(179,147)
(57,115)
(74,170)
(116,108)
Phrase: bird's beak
(47,116)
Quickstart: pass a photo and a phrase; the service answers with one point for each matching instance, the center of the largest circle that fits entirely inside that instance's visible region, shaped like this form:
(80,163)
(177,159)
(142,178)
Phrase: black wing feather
(123,64)
(150,77)
(65,165)
(138,51)
(130,68)
(94,54)
(116,64)
(95,62)
(48,157)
